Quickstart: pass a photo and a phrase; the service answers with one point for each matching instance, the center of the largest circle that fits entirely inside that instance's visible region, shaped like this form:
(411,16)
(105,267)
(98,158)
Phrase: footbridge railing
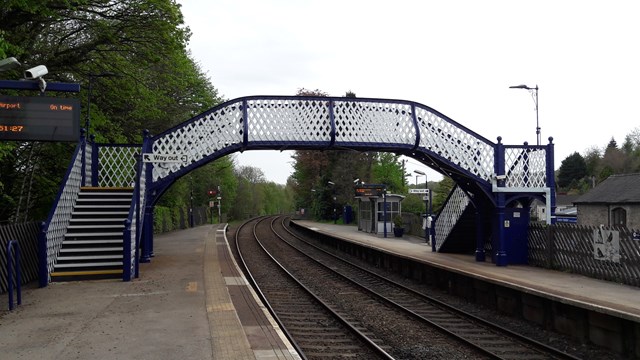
(92,164)
(286,122)
(291,122)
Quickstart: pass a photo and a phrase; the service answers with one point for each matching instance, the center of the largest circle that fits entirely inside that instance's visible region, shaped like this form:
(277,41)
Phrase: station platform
(598,295)
(190,302)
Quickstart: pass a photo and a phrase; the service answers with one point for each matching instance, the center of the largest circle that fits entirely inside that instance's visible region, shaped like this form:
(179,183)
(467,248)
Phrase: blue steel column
(147,227)
(551,181)
(500,252)
(83,143)
(126,253)
(95,166)
(480,255)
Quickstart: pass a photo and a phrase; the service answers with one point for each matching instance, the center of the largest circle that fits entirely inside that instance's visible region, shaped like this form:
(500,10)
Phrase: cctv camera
(36,72)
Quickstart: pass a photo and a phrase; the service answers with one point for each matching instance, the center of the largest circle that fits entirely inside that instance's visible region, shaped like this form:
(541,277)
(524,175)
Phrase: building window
(393,209)
(619,217)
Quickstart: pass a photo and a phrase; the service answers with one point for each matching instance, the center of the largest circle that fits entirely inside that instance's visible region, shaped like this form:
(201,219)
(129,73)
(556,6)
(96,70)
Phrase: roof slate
(623,188)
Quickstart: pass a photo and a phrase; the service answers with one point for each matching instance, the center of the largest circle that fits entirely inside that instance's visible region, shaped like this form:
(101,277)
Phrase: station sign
(164,158)
(39,118)
(418,191)
(370,190)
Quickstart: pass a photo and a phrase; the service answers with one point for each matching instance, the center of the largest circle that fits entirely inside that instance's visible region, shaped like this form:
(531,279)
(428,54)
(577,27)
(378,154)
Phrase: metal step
(88,257)
(103,213)
(93,242)
(95,264)
(90,249)
(110,234)
(102,226)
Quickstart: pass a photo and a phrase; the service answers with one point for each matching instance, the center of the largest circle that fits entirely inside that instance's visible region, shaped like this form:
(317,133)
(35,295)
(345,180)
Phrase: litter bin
(347,214)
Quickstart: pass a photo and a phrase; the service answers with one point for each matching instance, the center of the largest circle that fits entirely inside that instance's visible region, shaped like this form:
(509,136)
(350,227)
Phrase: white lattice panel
(525,167)
(117,165)
(57,227)
(455,144)
(200,138)
(449,215)
(88,149)
(374,122)
(296,120)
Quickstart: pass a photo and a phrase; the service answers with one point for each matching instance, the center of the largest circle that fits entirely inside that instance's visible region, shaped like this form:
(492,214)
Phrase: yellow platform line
(81,273)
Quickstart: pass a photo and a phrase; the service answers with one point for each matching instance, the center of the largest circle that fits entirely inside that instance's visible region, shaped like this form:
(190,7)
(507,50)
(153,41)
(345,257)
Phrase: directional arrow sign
(418,191)
(164,158)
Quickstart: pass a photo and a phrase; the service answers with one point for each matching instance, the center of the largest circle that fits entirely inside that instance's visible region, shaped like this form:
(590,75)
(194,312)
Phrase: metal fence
(611,254)
(27,236)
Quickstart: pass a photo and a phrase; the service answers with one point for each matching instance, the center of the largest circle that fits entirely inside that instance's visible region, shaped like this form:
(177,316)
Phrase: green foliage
(441,193)
(572,170)
(388,170)
(154,84)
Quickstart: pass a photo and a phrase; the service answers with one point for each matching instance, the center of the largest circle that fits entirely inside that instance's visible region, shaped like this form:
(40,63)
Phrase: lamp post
(87,122)
(427,196)
(333,186)
(534,95)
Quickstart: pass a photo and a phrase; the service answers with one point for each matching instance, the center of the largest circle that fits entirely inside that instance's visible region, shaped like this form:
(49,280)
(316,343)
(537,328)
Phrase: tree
(388,170)
(573,168)
(443,189)
(142,41)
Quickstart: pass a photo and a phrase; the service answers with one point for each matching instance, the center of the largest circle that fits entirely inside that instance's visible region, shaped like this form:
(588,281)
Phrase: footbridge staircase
(490,176)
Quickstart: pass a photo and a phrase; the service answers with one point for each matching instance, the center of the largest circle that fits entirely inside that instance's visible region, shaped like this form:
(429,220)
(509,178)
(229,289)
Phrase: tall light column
(534,95)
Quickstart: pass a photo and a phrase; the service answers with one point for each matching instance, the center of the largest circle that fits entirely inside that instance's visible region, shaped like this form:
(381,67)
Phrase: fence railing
(27,236)
(609,254)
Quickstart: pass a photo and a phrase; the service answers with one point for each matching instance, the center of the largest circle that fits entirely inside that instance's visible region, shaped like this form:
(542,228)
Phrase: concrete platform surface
(603,296)
(190,302)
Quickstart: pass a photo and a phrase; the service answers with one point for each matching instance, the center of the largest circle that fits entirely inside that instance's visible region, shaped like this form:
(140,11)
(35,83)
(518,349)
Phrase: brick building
(614,202)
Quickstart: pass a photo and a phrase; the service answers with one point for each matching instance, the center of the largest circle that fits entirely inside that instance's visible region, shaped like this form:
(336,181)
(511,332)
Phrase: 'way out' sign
(164,158)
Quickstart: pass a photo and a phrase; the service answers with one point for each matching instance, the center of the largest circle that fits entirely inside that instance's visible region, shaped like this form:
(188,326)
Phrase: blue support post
(551,181)
(480,254)
(384,212)
(14,262)
(499,165)
(95,165)
(83,143)
(501,252)
(126,251)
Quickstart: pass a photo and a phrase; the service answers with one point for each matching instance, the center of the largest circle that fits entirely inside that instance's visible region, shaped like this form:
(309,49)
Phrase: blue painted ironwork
(456,203)
(54,229)
(35,85)
(290,122)
(13,265)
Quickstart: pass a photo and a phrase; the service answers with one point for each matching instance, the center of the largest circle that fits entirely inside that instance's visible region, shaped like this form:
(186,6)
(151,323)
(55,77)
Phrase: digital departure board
(370,190)
(39,118)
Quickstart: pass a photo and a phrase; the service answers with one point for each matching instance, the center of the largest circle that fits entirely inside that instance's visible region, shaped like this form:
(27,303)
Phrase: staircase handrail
(133,229)
(13,263)
(454,206)
(55,227)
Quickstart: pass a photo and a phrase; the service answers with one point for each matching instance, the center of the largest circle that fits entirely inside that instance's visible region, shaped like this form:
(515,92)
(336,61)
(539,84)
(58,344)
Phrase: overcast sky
(458,57)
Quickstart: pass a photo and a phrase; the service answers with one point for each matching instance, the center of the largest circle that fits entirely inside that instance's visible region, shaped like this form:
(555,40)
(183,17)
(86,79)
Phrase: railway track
(343,284)
(315,329)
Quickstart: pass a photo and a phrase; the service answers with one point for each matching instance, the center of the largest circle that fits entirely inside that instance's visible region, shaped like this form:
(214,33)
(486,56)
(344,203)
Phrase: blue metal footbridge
(493,180)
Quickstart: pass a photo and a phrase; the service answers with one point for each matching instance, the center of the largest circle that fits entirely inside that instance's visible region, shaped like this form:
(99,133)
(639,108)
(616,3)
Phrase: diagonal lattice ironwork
(525,166)
(449,215)
(280,122)
(117,165)
(455,143)
(375,122)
